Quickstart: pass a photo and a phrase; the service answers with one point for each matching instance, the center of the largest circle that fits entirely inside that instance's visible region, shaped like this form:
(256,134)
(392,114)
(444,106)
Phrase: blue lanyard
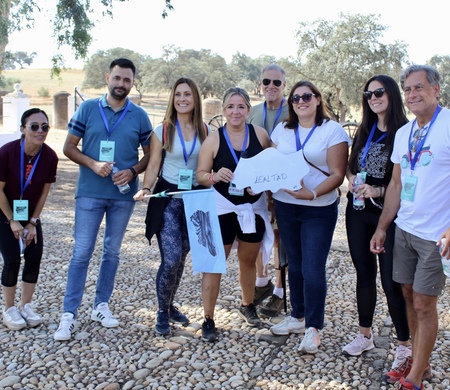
(368,142)
(24,185)
(276,117)
(183,145)
(413,160)
(105,121)
(297,137)
(244,146)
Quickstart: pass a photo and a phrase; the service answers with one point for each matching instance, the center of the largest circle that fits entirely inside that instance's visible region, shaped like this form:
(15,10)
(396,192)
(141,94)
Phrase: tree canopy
(72,23)
(340,56)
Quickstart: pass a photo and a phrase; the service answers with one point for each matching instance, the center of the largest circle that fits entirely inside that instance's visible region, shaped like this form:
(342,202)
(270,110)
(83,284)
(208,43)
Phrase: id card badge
(185,179)
(233,190)
(20,210)
(106,151)
(409,188)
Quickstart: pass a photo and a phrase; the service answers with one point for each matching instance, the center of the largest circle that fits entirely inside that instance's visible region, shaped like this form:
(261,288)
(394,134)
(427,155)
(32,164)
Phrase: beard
(118,93)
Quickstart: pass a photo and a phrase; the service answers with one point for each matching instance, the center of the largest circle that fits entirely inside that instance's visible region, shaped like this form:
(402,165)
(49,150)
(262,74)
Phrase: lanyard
(276,117)
(413,160)
(105,121)
(244,146)
(183,145)
(24,185)
(297,137)
(368,142)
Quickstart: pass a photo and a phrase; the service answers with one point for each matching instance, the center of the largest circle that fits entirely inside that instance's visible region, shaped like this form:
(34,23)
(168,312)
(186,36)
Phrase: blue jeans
(306,233)
(89,214)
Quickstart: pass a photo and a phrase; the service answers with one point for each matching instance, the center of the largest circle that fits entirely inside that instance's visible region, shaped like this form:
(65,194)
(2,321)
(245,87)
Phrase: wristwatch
(35,221)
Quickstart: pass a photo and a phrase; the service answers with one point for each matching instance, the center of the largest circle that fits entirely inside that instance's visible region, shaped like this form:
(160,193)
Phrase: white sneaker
(102,314)
(12,319)
(66,327)
(359,345)
(401,354)
(311,341)
(287,326)
(32,319)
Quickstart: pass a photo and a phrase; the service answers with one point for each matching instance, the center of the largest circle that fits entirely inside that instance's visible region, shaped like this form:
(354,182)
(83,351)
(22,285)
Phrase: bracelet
(133,171)
(211,178)
(9,221)
(146,188)
(314,194)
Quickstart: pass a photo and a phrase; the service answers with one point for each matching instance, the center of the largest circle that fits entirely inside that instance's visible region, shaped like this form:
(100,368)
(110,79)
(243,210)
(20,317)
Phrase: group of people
(403,221)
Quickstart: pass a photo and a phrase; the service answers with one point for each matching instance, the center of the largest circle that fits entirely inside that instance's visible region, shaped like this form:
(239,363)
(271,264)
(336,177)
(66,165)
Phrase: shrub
(43,92)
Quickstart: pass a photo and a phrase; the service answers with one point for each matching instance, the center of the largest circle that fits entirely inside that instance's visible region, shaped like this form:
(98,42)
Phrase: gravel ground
(132,356)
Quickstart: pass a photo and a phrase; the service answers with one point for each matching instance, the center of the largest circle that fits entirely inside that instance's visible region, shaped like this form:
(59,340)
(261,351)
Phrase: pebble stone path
(132,356)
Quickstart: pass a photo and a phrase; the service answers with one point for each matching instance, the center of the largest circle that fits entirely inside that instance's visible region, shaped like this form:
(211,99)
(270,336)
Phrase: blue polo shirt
(133,130)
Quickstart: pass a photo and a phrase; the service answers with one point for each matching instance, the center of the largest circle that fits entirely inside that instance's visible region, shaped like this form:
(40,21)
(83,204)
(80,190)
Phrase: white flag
(207,252)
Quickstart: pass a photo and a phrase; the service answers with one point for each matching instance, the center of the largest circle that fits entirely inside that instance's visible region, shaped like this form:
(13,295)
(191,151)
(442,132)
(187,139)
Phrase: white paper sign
(271,170)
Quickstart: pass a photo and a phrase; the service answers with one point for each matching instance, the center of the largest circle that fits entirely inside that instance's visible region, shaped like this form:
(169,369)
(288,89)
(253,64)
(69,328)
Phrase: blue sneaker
(162,326)
(177,316)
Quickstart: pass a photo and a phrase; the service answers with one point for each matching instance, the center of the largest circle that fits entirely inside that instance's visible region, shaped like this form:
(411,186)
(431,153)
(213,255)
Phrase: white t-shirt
(174,161)
(325,136)
(428,215)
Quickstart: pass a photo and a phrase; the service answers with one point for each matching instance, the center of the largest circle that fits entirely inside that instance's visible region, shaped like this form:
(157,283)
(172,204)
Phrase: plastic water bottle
(358,202)
(445,261)
(122,189)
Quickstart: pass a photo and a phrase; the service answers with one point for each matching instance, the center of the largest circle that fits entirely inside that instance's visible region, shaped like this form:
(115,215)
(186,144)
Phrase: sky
(251,27)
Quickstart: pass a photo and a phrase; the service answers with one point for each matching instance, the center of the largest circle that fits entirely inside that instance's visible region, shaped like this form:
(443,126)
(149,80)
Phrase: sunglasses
(35,127)
(277,83)
(306,97)
(378,93)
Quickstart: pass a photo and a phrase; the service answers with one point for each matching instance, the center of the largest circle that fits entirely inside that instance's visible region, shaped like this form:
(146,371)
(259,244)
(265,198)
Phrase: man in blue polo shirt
(112,128)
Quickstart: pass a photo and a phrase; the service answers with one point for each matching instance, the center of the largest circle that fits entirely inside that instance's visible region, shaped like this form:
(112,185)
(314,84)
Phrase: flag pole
(165,194)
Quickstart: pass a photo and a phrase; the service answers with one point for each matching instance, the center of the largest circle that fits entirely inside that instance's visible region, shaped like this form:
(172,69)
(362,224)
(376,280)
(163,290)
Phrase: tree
(209,71)
(96,67)
(340,56)
(442,64)
(73,22)
(19,57)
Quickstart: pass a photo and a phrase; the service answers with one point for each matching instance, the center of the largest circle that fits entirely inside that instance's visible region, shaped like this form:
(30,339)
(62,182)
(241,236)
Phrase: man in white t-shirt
(417,197)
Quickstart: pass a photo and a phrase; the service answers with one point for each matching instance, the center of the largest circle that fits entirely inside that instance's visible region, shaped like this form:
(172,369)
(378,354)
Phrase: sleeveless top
(224,158)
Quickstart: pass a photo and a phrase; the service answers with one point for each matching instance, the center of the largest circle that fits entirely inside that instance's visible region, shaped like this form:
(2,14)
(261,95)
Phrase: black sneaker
(177,316)
(209,331)
(273,307)
(162,326)
(249,314)
(262,293)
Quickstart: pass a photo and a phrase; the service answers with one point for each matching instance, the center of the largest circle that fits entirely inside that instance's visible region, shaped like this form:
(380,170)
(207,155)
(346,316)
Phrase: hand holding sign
(271,170)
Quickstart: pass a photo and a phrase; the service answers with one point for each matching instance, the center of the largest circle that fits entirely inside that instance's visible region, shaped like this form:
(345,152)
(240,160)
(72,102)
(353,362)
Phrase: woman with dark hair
(383,115)
(174,149)
(217,161)
(307,217)
(27,170)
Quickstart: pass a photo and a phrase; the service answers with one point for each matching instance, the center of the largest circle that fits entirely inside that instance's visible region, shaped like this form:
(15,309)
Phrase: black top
(224,158)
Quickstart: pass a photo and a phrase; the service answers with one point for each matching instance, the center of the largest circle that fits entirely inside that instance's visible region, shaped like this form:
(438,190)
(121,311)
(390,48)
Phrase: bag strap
(321,170)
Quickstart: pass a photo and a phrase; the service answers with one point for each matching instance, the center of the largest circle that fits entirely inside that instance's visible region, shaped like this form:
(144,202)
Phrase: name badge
(20,210)
(106,151)
(233,190)
(185,179)
(409,188)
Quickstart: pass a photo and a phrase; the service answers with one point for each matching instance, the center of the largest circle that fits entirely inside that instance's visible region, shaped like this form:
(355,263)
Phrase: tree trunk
(5,6)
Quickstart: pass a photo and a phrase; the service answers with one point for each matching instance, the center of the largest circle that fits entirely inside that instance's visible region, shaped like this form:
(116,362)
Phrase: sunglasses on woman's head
(35,127)
(306,97)
(277,83)
(378,93)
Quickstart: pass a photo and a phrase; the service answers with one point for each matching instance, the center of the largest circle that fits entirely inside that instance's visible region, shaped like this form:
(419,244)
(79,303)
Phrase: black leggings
(9,248)
(361,225)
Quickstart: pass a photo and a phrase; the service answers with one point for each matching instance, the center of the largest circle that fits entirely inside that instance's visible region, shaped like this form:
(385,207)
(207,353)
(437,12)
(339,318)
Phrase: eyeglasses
(378,93)
(35,127)
(306,97)
(277,83)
